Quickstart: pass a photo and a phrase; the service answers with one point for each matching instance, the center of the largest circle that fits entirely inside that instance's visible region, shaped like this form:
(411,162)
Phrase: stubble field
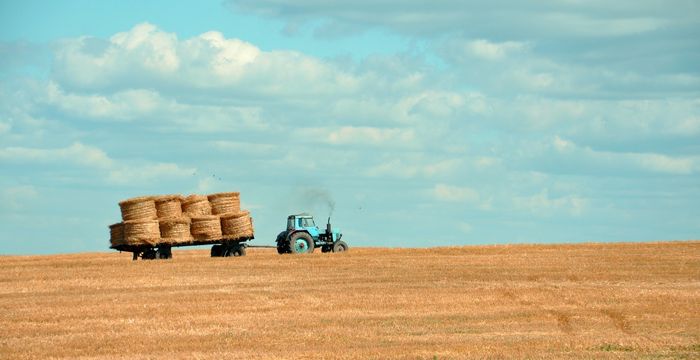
(522,301)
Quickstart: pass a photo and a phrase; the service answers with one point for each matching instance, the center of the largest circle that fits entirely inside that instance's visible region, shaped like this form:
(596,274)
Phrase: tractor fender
(290,233)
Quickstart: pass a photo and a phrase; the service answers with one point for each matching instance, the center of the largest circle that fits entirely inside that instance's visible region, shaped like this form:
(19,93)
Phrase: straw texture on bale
(237,225)
(116,234)
(168,206)
(224,203)
(140,208)
(206,227)
(141,232)
(196,205)
(175,230)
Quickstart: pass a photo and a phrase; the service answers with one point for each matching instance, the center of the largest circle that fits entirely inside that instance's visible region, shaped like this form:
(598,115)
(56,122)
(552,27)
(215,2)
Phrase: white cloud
(494,51)
(17,197)
(90,157)
(411,167)
(146,173)
(147,57)
(666,164)
(464,227)
(76,153)
(621,161)
(124,105)
(452,193)
(4,127)
(543,204)
(360,135)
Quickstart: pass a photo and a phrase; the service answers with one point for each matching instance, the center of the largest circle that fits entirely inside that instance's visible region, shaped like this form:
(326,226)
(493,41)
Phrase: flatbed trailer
(220,248)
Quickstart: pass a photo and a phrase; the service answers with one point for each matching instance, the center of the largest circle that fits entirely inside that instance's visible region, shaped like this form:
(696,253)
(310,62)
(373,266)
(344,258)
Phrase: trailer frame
(223,247)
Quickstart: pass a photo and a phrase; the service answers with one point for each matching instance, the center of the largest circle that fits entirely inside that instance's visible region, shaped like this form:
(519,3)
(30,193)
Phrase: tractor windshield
(309,222)
(290,223)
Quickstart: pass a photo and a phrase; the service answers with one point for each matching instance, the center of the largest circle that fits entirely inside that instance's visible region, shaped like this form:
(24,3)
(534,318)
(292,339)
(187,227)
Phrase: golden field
(629,301)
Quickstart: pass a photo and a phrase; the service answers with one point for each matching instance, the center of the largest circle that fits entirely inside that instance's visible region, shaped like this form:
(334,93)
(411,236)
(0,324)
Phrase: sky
(442,123)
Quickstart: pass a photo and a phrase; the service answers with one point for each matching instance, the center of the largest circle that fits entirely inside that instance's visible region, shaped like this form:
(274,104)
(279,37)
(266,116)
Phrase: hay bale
(237,225)
(116,234)
(175,230)
(225,203)
(196,205)
(168,206)
(141,232)
(207,227)
(138,208)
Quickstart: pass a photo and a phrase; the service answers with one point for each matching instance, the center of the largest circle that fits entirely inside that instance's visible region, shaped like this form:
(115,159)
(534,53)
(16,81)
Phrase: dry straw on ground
(588,301)
(175,230)
(196,205)
(116,234)
(139,208)
(207,227)
(168,206)
(225,203)
(141,232)
(237,225)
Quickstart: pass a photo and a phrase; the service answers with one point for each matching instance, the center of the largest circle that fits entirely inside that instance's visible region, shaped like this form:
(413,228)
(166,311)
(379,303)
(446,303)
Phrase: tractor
(303,236)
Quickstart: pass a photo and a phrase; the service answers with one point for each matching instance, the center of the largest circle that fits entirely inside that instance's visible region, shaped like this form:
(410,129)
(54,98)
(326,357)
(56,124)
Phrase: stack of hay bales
(237,225)
(174,220)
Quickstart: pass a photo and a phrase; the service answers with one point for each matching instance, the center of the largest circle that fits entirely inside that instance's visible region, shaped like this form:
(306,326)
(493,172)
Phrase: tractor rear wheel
(340,246)
(301,243)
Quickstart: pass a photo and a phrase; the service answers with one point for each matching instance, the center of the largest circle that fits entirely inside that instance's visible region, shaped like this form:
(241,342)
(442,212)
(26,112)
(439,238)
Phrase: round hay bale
(138,208)
(116,234)
(224,203)
(196,205)
(206,227)
(168,206)
(175,230)
(141,232)
(237,225)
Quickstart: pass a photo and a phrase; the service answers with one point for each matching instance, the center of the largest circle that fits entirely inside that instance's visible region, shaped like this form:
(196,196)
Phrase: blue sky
(452,123)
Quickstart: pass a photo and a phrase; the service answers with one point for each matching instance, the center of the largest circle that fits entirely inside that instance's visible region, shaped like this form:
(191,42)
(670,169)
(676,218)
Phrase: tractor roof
(302,215)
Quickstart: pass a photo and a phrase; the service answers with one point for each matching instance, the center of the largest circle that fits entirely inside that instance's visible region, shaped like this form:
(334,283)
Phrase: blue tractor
(303,236)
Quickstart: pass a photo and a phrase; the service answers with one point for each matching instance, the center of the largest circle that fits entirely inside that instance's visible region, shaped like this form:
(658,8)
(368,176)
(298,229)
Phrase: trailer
(220,248)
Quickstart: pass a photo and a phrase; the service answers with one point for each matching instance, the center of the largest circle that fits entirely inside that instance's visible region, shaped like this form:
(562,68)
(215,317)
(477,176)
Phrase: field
(628,301)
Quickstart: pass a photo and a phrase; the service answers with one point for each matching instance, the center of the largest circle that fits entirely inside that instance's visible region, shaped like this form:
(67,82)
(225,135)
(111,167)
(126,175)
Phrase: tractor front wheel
(301,243)
(340,246)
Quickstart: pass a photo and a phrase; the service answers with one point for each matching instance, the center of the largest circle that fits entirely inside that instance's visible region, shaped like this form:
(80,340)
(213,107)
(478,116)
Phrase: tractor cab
(302,236)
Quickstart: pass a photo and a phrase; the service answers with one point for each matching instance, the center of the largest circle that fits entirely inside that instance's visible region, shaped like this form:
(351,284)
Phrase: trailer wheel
(164,253)
(301,243)
(340,246)
(217,251)
(240,251)
(149,254)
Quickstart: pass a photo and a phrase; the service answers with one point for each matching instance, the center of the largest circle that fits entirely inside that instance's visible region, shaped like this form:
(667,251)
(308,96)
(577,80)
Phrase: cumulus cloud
(147,57)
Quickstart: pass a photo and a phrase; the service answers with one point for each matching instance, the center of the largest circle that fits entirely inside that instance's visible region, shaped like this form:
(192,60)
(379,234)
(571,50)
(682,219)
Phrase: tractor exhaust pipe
(328,227)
